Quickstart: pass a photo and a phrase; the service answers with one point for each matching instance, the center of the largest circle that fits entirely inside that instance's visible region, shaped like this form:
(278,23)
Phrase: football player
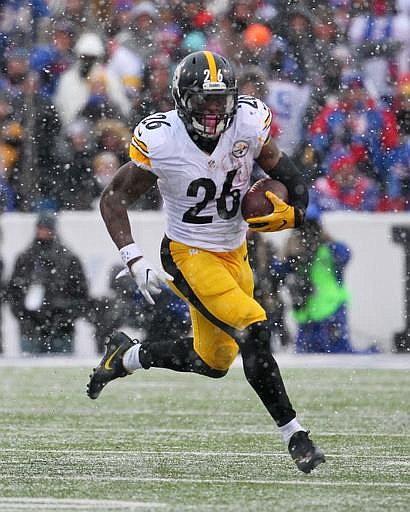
(201,155)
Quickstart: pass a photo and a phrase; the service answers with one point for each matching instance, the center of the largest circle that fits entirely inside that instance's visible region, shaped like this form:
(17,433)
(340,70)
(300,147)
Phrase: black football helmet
(206,93)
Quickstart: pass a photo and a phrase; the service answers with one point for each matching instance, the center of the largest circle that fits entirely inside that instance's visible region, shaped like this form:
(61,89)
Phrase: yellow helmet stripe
(212,66)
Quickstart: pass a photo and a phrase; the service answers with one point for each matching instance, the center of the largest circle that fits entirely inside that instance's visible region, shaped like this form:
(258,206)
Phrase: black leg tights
(260,367)
(262,372)
(178,355)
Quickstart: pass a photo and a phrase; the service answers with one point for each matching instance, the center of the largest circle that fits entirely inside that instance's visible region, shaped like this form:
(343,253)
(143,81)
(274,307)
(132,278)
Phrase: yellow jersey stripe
(141,144)
(138,156)
(136,145)
(268,120)
(212,66)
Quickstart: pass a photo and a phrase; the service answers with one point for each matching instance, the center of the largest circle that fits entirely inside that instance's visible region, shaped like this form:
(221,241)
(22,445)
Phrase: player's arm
(280,167)
(127,185)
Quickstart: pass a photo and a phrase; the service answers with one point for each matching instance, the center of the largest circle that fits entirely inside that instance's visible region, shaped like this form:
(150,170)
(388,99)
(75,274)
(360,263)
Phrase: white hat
(89,44)
(145,7)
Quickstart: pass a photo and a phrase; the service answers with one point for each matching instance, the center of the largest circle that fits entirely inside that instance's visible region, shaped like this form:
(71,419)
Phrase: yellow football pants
(218,286)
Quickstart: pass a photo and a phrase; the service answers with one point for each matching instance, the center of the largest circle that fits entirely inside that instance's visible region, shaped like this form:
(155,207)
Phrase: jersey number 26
(192,214)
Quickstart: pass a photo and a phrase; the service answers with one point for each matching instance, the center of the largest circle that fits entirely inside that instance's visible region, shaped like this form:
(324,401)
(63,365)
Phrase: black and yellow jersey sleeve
(266,125)
(149,147)
(138,151)
(256,119)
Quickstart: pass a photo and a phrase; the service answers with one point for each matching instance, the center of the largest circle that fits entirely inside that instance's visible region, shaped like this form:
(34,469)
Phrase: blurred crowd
(76,77)
(48,291)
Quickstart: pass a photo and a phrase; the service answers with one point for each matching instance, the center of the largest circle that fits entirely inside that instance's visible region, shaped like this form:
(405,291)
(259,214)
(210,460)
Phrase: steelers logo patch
(240,148)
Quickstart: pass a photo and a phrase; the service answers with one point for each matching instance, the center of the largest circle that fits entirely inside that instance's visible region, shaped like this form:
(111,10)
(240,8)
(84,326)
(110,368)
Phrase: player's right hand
(282,217)
(148,278)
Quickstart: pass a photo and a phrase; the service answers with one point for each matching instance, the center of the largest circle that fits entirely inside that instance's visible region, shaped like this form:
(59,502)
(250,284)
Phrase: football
(256,204)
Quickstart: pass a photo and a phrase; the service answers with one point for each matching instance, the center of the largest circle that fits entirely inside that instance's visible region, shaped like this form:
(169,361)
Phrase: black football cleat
(305,454)
(110,366)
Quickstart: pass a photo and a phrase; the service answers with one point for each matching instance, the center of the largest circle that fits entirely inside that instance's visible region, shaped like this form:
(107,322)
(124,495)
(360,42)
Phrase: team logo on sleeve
(240,148)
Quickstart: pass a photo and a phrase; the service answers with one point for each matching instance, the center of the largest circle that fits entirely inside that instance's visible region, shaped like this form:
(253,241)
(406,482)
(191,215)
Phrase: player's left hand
(282,217)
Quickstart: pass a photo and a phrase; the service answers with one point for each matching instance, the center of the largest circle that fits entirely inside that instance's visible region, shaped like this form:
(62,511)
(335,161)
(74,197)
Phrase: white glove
(148,278)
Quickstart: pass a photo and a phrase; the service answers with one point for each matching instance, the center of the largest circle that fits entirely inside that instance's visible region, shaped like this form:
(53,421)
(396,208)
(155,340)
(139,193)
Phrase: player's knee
(248,314)
(225,355)
(256,336)
(220,359)
(203,368)
(217,374)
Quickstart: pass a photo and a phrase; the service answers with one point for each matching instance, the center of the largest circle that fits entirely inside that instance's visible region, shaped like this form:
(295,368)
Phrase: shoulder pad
(254,112)
(149,136)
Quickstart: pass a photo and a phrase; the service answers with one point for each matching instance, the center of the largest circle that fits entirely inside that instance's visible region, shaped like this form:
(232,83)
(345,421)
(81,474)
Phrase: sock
(289,429)
(131,359)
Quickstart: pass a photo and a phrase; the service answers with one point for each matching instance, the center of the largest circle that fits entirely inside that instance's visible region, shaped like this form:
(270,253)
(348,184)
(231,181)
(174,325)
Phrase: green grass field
(172,442)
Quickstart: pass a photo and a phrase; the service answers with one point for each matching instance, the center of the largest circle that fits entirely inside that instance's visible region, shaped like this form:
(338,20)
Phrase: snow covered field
(165,441)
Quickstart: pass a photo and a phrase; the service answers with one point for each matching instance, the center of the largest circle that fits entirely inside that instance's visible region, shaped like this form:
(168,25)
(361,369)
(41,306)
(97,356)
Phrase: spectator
(240,14)
(38,187)
(268,286)
(402,105)
(73,11)
(47,291)
(89,84)
(380,38)
(307,50)
(119,17)
(345,188)
(169,39)
(399,184)
(74,174)
(105,165)
(256,39)
(314,272)
(99,105)
(15,72)
(112,135)
(288,113)
(126,307)
(21,22)
(139,35)
(298,30)
(2,294)
(64,36)
(356,124)
(115,310)
(169,317)
(9,153)
(155,93)
(7,194)
(127,66)
(52,58)
(29,128)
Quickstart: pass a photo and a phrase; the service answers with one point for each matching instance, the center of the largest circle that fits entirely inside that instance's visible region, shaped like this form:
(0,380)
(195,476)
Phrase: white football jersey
(202,193)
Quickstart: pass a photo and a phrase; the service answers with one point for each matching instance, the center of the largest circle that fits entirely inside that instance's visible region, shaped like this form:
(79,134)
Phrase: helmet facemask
(210,113)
